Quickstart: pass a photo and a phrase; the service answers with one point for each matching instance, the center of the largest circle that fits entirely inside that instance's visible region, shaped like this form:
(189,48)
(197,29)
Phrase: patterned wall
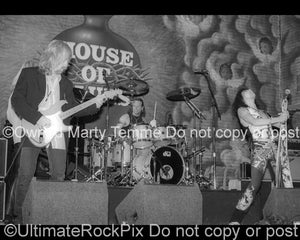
(172,47)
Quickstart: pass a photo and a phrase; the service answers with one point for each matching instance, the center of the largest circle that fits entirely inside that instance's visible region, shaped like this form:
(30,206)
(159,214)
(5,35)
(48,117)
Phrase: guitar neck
(77,108)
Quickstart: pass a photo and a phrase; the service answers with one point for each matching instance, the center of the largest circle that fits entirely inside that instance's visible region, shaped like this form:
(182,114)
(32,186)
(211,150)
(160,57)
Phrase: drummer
(135,115)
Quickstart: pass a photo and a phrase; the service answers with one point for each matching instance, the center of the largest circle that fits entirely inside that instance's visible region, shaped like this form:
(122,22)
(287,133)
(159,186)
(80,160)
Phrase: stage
(52,203)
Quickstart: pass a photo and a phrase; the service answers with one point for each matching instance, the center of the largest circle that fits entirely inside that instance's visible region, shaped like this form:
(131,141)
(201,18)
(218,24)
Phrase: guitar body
(42,137)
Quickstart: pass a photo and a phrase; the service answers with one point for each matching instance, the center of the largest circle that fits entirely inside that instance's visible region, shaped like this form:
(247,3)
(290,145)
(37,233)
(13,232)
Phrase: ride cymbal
(133,87)
(182,93)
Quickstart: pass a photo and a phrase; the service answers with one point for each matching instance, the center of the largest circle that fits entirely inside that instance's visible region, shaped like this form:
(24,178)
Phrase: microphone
(204,71)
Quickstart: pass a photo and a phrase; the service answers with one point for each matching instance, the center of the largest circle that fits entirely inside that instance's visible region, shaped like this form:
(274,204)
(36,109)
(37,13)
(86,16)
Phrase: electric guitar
(283,176)
(42,137)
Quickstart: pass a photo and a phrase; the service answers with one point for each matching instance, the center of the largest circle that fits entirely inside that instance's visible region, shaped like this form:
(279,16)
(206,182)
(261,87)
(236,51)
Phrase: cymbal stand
(213,124)
(107,128)
(122,158)
(93,177)
(131,150)
(76,170)
(200,116)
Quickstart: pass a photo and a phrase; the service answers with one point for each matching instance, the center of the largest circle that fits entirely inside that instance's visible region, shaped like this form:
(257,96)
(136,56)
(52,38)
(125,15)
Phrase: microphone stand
(200,116)
(107,126)
(213,124)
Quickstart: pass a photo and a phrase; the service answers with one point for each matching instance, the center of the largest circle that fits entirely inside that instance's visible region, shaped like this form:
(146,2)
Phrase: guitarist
(258,125)
(37,89)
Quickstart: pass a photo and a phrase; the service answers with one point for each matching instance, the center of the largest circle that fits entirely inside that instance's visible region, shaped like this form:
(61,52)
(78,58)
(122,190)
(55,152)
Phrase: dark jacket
(30,90)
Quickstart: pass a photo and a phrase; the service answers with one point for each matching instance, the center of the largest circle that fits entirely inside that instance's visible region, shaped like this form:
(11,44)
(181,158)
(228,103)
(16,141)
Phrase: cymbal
(182,93)
(79,94)
(133,87)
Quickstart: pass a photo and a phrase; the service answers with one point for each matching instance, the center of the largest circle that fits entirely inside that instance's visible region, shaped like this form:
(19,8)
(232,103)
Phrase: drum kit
(148,153)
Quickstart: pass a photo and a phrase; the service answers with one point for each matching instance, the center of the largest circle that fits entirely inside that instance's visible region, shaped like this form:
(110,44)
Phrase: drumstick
(154,110)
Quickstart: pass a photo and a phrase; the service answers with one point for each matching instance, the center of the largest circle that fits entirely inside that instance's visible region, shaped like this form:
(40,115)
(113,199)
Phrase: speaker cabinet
(283,204)
(161,204)
(3,157)
(61,203)
(2,200)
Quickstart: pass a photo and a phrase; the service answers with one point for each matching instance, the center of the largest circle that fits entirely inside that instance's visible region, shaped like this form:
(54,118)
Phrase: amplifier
(293,143)
(2,200)
(3,157)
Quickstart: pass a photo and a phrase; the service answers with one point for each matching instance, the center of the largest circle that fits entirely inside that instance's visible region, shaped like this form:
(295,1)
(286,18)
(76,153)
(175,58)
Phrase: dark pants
(28,161)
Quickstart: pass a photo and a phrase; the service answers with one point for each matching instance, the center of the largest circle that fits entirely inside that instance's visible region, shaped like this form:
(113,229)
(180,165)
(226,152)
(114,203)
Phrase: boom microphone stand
(213,122)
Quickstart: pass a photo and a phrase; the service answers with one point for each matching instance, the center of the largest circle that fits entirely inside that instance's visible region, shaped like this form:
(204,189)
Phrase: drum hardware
(76,170)
(186,94)
(133,88)
(183,93)
(215,109)
(94,175)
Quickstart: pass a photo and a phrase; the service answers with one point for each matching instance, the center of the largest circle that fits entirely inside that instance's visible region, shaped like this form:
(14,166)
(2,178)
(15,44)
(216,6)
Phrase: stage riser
(72,203)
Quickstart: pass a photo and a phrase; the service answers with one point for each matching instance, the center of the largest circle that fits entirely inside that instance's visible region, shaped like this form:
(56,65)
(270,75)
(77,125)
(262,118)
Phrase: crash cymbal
(81,94)
(182,93)
(133,87)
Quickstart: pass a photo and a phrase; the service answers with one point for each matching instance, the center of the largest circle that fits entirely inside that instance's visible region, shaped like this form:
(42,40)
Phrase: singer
(258,125)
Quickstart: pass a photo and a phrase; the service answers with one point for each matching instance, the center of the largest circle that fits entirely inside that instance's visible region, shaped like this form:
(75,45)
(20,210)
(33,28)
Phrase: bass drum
(165,161)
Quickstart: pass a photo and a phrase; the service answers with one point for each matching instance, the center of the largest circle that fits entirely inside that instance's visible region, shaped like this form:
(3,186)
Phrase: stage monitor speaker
(283,205)
(3,157)
(161,204)
(61,203)
(2,200)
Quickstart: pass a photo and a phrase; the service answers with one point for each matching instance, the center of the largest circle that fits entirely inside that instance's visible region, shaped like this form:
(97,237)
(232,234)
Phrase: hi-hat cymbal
(182,93)
(81,94)
(133,87)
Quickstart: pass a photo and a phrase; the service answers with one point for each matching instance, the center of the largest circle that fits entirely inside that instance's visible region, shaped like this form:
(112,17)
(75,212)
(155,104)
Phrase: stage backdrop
(260,52)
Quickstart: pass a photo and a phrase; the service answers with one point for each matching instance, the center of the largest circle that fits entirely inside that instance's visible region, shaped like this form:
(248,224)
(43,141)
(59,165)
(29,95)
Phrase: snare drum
(161,137)
(166,162)
(141,136)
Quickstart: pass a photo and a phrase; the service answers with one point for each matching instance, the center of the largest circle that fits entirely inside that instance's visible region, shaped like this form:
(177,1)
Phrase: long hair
(143,113)
(238,103)
(55,53)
